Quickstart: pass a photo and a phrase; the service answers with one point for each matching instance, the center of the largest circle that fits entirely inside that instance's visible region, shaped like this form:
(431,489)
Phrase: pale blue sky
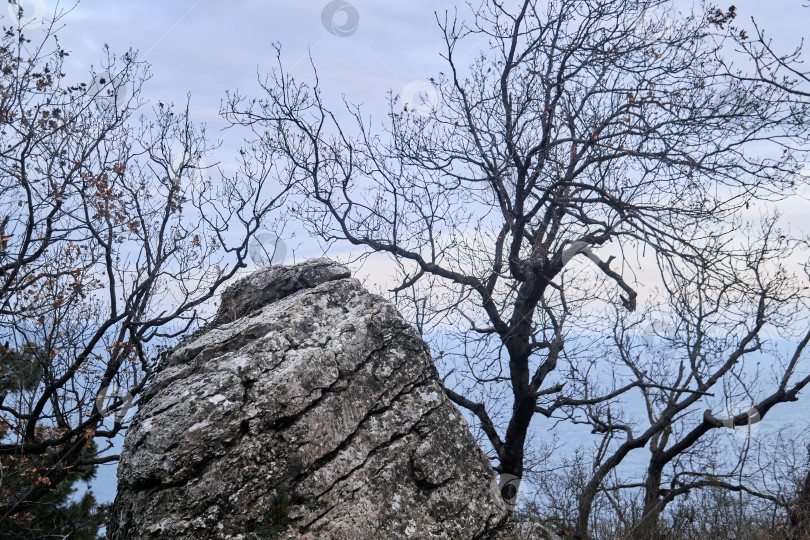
(207,46)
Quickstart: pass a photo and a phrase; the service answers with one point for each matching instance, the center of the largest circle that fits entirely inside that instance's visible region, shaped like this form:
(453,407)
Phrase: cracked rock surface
(314,411)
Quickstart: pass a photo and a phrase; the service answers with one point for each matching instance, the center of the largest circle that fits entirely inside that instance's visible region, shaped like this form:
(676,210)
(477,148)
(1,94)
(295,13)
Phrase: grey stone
(274,283)
(312,411)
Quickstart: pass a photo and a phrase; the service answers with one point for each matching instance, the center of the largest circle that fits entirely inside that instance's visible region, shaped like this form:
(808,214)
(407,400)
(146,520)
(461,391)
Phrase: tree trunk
(584,512)
(647,525)
(799,527)
(515,439)
(511,459)
(592,487)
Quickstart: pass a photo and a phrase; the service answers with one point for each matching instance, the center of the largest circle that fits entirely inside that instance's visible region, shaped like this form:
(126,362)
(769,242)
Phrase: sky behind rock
(202,48)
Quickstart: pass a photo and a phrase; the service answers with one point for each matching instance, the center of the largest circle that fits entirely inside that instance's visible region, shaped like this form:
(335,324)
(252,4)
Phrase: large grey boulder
(312,410)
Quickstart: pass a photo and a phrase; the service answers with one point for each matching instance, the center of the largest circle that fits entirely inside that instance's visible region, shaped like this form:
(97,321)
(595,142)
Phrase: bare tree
(582,128)
(781,70)
(111,240)
(691,379)
(800,509)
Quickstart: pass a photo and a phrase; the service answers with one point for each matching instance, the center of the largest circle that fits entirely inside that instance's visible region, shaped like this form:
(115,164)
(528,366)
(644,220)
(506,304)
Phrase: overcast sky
(205,47)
